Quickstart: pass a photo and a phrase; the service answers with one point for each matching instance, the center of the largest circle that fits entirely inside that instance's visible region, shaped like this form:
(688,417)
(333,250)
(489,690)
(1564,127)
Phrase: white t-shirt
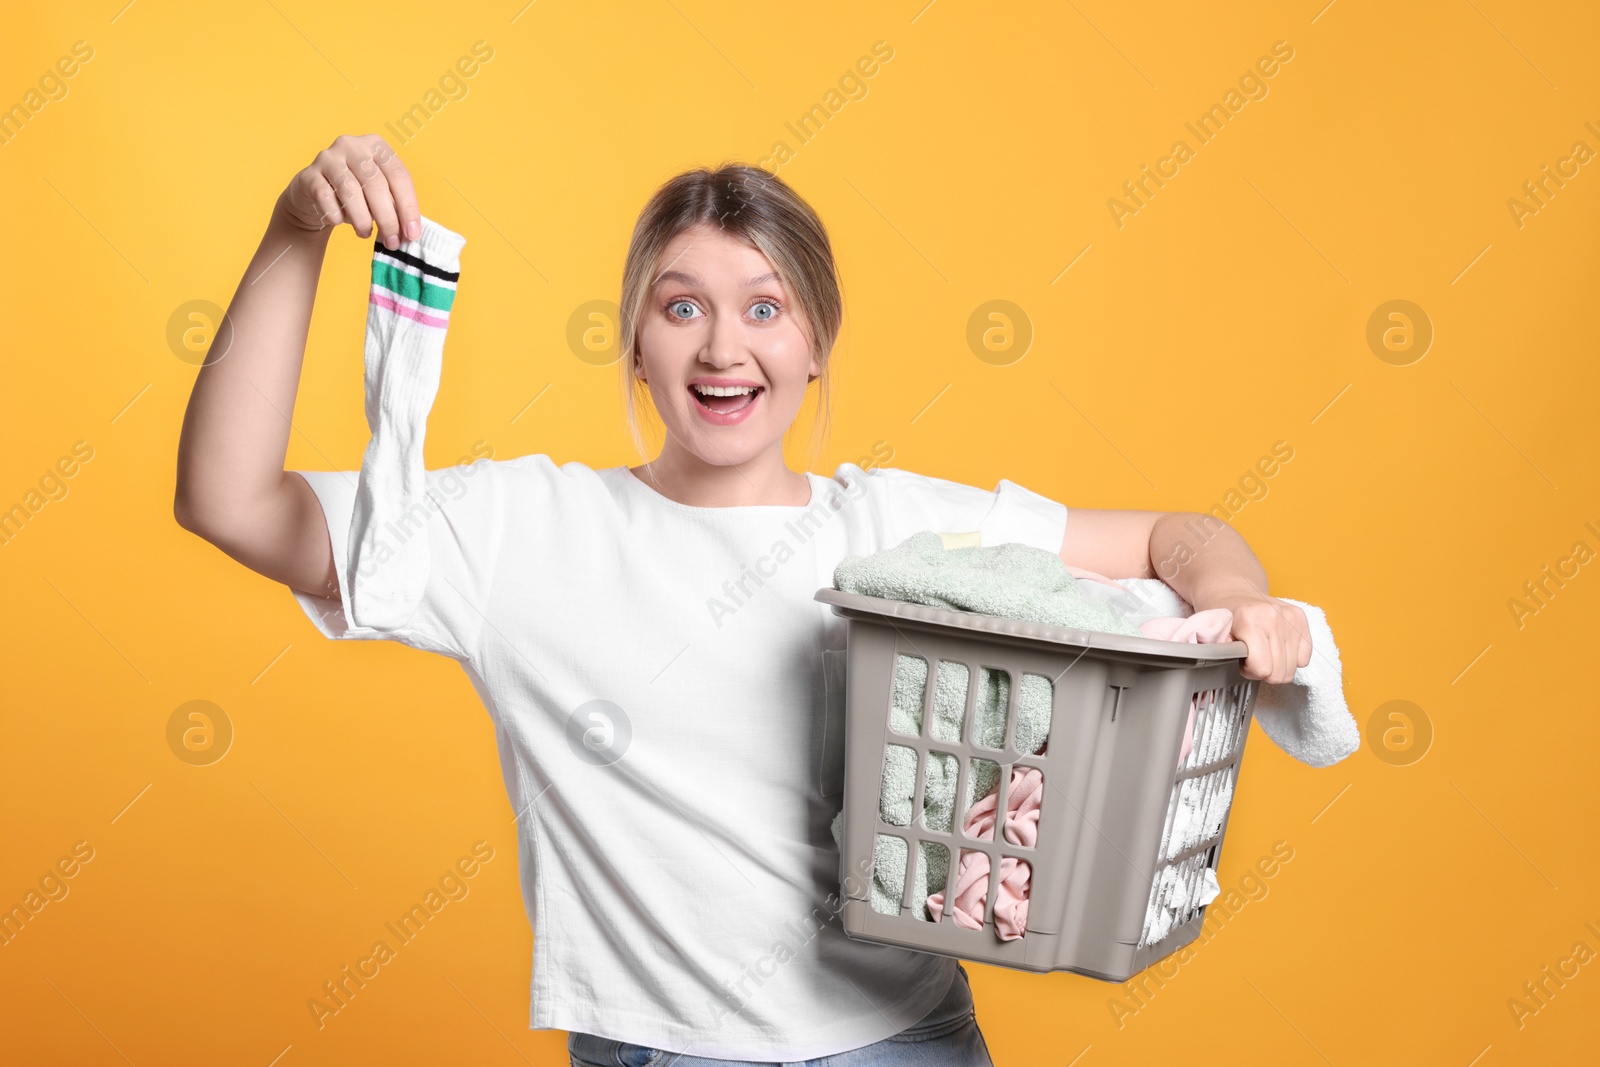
(672,738)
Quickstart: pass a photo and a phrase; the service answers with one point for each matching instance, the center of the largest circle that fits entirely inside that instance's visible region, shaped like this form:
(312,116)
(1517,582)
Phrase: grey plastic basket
(1112,781)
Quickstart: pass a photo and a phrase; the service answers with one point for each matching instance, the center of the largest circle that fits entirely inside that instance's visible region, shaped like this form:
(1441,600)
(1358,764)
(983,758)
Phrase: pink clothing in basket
(972,880)
(1027,791)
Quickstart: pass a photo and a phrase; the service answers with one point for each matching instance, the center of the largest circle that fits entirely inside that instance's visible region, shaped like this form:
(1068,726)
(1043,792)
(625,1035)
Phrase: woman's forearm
(235,434)
(1205,560)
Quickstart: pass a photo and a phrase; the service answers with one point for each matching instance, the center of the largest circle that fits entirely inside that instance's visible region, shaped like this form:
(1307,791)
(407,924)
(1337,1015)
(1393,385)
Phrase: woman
(645,638)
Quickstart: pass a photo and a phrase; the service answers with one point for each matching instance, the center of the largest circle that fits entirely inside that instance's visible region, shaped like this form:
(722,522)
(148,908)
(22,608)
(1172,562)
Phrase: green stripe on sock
(411,286)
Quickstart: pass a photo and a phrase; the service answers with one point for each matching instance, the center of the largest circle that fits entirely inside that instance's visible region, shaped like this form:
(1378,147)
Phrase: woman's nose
(724,346)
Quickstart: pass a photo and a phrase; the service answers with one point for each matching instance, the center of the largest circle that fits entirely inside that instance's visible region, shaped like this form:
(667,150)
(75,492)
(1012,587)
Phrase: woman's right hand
(358,180)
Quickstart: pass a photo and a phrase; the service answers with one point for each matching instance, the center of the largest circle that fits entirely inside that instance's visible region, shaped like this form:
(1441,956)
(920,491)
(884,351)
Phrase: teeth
(723,390)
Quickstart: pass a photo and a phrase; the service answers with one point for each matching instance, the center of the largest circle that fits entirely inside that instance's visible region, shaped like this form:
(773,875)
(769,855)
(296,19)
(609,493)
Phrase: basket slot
(969,708)
(1203,718)
(888,849)
(1218,728)
(912,690)
(963,781)
(1197,807)
(950,677)
(1010,868)
(894,807)
(990,894)
(1002,790)
(984,735)
(1042,690)
(1201,846)
(968,858)
(1008,725)
(1173,893)
(985,773)
(1021,868)
(1210,768)
(1001,815)
(940,767)
(932,857)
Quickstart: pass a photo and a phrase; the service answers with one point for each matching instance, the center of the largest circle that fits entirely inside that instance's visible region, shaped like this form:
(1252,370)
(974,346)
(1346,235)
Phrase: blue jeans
(947,1036)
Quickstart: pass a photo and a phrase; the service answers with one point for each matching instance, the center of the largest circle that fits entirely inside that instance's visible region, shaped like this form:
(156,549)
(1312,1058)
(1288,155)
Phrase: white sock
(408,310)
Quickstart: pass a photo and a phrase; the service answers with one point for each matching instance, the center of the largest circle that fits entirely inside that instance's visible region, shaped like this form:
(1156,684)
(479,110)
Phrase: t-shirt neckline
(647,490)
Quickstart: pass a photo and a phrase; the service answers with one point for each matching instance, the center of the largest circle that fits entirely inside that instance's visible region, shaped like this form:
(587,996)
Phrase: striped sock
(408,309)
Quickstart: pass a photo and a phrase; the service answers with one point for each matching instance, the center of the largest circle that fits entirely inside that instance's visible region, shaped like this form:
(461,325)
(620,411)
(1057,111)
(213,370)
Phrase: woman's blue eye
(765,304)
(682,304)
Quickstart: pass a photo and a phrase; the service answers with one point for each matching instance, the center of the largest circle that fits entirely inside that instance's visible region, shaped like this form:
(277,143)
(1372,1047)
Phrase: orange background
(1230,312)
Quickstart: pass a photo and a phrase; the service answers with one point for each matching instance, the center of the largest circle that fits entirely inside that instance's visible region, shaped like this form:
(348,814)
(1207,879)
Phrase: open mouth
(726,400)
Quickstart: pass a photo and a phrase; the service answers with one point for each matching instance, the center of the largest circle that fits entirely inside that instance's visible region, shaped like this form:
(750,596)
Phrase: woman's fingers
(401,189)
(1302,626)
(1293,640)
(1277,637)
(1282,652)
(380,204)
(1267,655)
(351,198)
(361,181)
(322,197)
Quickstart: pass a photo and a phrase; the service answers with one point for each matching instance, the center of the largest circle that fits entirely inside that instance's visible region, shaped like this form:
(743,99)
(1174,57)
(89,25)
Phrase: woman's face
(717,315)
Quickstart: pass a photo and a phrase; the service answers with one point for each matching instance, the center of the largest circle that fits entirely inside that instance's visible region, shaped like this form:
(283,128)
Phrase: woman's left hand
(1275,632)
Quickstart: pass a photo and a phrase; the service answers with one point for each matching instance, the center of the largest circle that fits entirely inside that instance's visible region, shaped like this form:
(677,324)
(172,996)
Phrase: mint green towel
(1014,581)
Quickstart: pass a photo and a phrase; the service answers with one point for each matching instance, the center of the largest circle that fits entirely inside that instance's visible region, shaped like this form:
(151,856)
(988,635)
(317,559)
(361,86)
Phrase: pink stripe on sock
(410,313)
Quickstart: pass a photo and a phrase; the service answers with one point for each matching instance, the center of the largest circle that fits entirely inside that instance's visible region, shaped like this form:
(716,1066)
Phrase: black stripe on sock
(410,260)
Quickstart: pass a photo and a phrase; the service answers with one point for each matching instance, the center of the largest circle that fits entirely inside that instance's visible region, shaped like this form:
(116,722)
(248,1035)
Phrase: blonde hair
(752,205)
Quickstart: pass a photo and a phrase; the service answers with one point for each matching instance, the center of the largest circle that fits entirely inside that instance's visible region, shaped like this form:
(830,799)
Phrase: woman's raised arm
(232,489)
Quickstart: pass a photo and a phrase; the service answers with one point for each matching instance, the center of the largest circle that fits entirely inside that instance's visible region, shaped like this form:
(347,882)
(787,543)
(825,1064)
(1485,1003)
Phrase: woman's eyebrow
(690,279)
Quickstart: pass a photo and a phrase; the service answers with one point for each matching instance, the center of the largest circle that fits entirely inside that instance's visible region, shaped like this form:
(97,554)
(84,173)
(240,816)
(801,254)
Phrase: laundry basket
(1124,828)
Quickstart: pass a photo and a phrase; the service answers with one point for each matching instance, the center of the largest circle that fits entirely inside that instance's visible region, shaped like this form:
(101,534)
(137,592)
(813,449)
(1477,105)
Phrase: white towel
(1306,717)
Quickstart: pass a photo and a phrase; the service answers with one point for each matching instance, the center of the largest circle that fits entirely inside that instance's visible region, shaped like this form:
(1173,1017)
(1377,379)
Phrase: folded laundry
(1012,580)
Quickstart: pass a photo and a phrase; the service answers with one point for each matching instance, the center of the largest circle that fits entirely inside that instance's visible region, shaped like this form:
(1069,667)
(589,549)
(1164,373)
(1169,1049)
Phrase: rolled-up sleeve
(464,527)
(1008,513)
